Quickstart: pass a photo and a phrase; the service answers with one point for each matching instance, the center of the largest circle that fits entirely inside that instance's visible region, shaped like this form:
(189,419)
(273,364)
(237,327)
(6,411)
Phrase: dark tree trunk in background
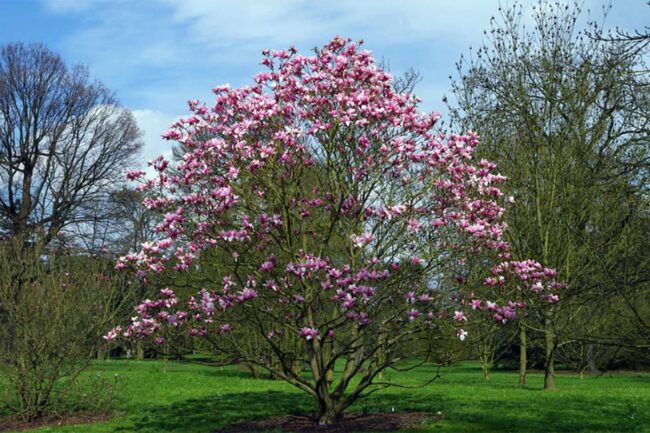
(549,356)
(523,358)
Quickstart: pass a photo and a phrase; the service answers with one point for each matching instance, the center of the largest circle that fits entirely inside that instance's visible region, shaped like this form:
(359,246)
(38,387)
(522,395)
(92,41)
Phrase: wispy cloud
(228,24)
(69,6)
(153,123)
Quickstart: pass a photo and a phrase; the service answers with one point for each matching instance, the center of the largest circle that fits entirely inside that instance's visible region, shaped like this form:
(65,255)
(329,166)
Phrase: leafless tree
(632,41)
(64,143)
(120,224)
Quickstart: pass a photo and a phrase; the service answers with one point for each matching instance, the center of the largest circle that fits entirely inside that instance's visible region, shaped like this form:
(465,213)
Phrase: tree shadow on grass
(217,411)
(563,413)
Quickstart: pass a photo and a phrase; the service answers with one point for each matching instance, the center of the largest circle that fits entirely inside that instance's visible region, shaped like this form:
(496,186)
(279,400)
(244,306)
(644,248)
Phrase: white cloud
(153,124)
(277,23)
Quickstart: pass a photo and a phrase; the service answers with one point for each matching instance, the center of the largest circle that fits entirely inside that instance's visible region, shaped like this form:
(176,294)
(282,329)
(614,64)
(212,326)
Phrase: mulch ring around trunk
(14,424)
(353,422)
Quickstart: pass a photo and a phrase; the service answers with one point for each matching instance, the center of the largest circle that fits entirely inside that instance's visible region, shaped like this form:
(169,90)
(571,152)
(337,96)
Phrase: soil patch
(15,424)
(353,422)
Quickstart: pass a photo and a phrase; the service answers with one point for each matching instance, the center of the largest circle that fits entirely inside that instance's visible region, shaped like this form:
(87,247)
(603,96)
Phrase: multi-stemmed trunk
(330,406)
(332,398)
(329,412)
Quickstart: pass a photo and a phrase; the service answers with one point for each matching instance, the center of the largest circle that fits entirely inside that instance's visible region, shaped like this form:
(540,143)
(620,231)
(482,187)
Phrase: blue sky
(157,54)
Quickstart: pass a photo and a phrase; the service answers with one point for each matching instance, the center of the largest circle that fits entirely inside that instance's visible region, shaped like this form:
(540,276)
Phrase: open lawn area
(191,398)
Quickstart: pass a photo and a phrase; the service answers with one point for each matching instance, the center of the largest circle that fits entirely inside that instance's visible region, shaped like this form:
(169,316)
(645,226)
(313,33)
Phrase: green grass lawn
(191,398)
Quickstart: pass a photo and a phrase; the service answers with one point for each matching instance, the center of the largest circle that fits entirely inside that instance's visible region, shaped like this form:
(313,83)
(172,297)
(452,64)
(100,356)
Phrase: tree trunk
(101,353)
(549,359)
(486,370)
(329,414)
(252,369)
(523,358)
(485,359)
(592,367)
(329,376)
(139,351)
(296,367)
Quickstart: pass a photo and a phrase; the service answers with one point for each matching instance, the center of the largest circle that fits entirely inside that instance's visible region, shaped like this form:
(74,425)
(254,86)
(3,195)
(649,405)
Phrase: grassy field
(191,398)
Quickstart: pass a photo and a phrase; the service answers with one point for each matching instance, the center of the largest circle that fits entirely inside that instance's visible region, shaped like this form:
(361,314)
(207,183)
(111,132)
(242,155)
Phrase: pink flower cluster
(151,318)
(530,276)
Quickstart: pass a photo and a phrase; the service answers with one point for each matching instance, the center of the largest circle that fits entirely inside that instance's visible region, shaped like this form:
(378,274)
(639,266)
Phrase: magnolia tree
(339,219)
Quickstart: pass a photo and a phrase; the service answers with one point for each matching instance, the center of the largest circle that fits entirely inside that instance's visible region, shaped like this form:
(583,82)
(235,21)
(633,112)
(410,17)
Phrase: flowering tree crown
(337,210)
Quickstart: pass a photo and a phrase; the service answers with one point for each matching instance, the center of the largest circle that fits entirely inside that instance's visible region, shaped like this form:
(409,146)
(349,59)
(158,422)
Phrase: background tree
(634,40)
(54,308)
(117,225)
(567,118)
(64,142)
(341,219)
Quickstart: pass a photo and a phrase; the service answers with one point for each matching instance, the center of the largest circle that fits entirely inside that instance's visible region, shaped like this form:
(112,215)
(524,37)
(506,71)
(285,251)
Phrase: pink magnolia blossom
(309,333)
(361,240)
(134,174)
(459,316)
(113,333)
